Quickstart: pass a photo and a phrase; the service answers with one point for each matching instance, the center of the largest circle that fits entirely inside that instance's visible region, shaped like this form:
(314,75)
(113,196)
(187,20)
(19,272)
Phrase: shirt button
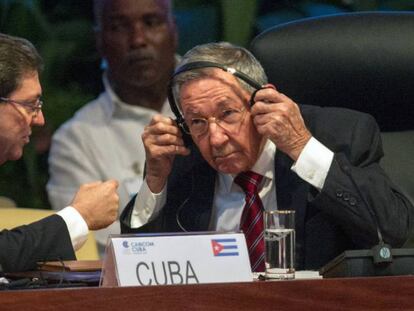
(311,174)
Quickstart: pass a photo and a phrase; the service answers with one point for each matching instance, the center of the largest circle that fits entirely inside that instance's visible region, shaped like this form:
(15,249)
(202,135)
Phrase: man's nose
(138,35)
(38,119)
(217,134)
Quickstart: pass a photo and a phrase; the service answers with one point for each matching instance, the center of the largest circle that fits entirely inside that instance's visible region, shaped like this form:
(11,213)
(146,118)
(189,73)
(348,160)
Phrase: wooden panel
(385,293)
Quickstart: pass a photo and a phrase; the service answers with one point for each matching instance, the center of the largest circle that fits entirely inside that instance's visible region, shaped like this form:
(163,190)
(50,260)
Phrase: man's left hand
(278,117)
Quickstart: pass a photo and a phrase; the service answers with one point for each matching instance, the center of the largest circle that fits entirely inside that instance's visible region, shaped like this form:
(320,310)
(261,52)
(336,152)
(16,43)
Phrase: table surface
(375,293)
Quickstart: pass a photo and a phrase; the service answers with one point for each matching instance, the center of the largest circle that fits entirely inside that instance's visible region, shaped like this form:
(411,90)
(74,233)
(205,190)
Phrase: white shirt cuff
(77,227)
(313,163)
(147,205)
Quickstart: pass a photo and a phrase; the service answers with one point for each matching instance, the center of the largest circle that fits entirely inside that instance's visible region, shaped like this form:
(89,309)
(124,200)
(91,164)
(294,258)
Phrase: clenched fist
(98,203)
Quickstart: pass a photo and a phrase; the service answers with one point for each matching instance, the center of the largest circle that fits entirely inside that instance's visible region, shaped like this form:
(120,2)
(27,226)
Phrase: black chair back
(362,61)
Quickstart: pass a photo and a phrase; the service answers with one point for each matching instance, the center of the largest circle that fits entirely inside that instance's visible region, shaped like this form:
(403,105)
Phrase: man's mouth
(26,138)
(140,58)
(223,157)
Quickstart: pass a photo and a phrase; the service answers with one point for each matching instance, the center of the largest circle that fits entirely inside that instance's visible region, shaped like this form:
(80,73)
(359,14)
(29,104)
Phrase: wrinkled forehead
(28,88)
(213,88)
(198,79)
(212,92)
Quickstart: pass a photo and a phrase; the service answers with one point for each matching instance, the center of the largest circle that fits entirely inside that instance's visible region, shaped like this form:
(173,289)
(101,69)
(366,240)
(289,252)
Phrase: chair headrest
(363,61)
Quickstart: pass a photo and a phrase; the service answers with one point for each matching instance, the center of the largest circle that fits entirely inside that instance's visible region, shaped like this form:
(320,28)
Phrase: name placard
(133,260)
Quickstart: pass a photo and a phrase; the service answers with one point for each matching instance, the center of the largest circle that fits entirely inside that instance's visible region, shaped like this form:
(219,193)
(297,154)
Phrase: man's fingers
(163,128)
(159,118)
(181,150)
(92,184)
(168,139)
(112,183)
(268,95)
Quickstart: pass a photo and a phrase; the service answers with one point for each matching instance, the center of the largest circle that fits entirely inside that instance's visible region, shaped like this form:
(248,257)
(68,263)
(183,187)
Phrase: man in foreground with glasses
(94,206)
(320,162)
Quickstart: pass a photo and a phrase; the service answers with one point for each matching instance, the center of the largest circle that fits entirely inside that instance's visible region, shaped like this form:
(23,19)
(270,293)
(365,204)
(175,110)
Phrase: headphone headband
(206,64)
(199,65)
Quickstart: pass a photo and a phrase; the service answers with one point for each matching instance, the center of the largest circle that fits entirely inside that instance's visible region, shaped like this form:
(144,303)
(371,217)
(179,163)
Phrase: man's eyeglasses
(228,119)
(32,108)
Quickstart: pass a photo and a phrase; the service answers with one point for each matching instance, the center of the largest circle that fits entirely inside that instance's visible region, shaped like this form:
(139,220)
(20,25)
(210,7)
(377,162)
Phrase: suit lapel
(196,212)
(291,194)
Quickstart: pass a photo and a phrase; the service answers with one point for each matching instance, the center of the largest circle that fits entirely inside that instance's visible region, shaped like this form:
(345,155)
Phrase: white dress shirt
(77,227)
(312,166)
(102,141)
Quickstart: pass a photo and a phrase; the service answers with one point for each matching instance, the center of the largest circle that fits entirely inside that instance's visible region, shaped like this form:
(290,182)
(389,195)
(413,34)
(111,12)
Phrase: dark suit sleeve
(150,227)
(46,239)
(358,193)
(125,218)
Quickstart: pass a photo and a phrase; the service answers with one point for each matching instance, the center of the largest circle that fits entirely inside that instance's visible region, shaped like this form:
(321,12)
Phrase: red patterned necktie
(252,218)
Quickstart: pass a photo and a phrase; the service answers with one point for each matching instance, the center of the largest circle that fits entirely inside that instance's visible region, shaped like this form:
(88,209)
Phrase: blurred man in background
(137,41)
(93,207)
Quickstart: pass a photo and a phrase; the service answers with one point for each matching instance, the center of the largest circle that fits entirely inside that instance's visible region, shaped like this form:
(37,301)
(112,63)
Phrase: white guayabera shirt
(102,141)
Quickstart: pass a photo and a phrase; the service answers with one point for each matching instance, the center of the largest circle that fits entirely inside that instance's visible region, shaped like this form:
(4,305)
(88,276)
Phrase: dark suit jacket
(46,239)
(357,197)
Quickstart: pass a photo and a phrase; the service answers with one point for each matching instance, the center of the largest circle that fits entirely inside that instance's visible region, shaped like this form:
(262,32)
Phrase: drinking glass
(279,229)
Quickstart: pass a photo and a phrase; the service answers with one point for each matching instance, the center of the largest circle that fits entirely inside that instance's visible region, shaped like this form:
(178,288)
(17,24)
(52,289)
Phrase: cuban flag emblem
(224,247)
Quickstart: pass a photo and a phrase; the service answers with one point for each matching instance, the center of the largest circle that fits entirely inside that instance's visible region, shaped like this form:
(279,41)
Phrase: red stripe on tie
(252,218)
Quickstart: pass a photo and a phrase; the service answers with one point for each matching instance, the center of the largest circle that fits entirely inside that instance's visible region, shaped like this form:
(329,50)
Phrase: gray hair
(99,6)
(18,57)
(223,53)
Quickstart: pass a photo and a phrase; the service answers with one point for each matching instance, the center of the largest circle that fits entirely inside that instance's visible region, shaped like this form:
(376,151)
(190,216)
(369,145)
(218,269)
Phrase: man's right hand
(162,141)
(98,203)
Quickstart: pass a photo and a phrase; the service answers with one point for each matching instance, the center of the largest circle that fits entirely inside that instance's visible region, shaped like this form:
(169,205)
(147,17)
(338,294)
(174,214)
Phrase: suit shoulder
(336,118)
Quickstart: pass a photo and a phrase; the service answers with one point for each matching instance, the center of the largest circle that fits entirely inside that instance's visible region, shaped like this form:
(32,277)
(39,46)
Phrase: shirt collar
(263,166)
(114,106)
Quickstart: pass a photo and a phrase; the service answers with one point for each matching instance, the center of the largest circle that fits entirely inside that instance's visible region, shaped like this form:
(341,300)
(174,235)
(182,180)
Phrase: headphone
(205,64)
